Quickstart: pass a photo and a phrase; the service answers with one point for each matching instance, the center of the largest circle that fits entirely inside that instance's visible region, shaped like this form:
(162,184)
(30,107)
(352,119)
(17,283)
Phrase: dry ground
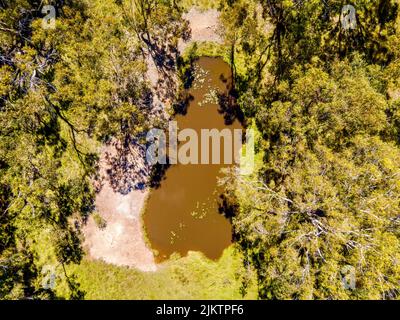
(121,242)
(204,26)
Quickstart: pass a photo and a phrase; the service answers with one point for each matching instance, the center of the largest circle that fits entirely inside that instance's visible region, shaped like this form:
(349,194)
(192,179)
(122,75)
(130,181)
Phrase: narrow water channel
(182,213)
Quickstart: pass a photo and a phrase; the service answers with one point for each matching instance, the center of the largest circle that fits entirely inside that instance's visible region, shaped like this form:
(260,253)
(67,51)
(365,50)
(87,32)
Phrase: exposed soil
(121,241)
(204,25)
(119,200)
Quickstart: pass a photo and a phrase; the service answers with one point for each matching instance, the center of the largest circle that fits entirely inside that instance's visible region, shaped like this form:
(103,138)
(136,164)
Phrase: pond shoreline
(109,243)
(179,212)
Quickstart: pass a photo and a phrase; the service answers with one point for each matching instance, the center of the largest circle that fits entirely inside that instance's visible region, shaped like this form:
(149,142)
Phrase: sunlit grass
(191,277)
(200,4)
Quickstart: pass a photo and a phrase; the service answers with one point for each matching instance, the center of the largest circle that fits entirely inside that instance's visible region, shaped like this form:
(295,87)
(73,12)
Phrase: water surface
(182,213)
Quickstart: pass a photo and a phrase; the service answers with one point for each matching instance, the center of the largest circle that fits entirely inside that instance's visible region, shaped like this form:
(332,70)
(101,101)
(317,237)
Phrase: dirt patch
(121,241)
(205,26)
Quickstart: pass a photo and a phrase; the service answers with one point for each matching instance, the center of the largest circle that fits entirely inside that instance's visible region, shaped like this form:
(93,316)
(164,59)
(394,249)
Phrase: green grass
(101,223)
(199,4)
(191,277)
(206,49)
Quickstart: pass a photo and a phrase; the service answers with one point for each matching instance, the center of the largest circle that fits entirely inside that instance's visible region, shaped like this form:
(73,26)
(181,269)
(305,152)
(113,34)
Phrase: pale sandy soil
(152,72)
(204,25)
(122,242)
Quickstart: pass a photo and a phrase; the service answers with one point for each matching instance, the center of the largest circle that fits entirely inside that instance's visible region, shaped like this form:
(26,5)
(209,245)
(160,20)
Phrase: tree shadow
(165,57)
(157,175)
(127,169)
(228,107)
(186,68)
(227,207)
(181,107)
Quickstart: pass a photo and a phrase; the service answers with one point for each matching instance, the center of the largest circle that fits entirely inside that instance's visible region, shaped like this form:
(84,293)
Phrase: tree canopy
(325,199)
(63,92)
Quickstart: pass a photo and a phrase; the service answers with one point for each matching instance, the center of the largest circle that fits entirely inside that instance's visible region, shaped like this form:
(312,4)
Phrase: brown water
(182,214)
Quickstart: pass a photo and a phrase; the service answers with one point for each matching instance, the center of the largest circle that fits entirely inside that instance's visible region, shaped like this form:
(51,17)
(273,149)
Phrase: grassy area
(191,277)
(200,4)
(206,49)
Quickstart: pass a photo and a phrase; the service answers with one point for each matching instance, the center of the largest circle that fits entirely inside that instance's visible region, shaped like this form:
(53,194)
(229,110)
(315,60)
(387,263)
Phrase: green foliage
(63,92)
(327,196)
(191,277)
(200,4)
(101,223)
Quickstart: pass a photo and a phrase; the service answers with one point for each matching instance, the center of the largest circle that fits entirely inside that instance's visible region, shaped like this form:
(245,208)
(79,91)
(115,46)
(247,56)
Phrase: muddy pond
(182,214)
